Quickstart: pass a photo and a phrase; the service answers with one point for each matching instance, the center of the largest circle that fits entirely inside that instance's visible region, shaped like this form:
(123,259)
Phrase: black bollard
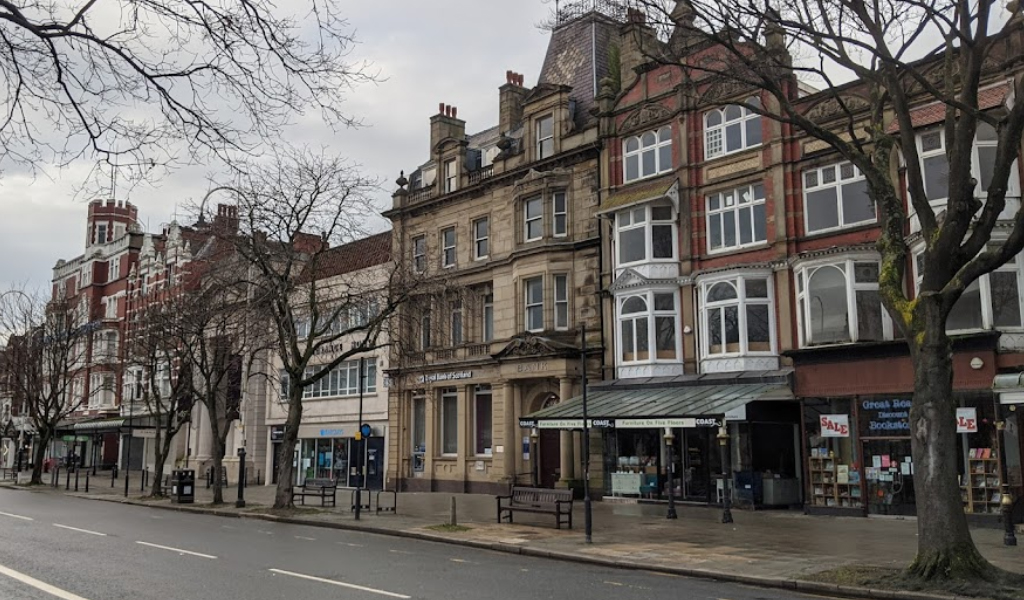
(143,480)
(113,476)
(67,479)
(76,479)
(86,482)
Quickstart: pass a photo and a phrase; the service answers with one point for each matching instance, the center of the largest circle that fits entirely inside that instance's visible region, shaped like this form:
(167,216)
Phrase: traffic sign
(365,429)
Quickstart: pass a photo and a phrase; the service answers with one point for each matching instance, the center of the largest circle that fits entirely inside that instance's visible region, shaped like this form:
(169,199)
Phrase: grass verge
(446,528)
(1004,586)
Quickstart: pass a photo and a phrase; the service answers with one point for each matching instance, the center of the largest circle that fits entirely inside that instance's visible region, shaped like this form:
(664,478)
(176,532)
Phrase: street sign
(68,438)
(365,429)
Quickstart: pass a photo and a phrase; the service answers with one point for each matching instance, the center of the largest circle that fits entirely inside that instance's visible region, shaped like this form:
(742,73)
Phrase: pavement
(768,548)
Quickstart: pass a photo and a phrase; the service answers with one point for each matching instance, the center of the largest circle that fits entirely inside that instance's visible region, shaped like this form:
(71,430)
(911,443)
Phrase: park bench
(325,489)
(537,500)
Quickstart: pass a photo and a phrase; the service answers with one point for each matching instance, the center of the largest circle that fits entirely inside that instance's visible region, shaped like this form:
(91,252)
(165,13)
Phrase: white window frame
(739,283)
(101,233)
(651,314)
(419,253)
(545,141)
(559,217)
(803,274)
(731,204)
(938,204)
(479,392)
(342,381)
(114,269)
(448,394)
(561,285)
(715,135)
(481,243)
(538,201)
(451,176)
(634,148)
(449,255)
(530,306)
(817,175)
(648,225)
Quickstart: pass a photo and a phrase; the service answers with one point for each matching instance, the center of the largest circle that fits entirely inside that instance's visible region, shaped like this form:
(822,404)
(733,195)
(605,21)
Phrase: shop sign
(885,417)
(686,423)
(276,433)
(967,420)
(332,432)
(835,426)
(451,376)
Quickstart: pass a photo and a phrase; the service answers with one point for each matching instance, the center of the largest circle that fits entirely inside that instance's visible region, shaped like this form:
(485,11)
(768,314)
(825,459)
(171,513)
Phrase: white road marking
(302,537)
(17,516)
(178,550)
(351,544)
(39,585)
(79,530)
(264,532)
(339,584)
(399,552)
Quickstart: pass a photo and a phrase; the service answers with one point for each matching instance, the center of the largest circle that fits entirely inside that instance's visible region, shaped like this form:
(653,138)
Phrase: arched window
(839,303)
(737,316)
(647,327)
(647,154)
(731,128)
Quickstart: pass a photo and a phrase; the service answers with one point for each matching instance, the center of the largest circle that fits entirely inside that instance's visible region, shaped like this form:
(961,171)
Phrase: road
(55,546)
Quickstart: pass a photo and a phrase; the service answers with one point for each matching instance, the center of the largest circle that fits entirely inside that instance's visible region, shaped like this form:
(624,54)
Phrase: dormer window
(545,137)
(647,154)
(451,176)
(731,128)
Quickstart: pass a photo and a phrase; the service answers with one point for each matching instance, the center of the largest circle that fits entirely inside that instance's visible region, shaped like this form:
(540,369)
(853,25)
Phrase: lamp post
(534,463)
(669,439)
(1005,499)
(361,438)
(587,515)
(240,503)
(723,446)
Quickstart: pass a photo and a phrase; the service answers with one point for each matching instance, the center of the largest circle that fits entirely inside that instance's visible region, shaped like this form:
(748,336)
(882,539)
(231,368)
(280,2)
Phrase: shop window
(534,288)
(737,316)
(736,218)
(991,301)
(419,432)
(833,468)
(481,238)
(836,196)
(839,303)
(482,429)
(647,327)
(449,421)
(731,128)
(647,154)
(645,233)
(979,444)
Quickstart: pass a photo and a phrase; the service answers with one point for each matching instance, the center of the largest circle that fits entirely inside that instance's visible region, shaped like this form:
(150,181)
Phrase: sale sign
(967,420)
(835,425)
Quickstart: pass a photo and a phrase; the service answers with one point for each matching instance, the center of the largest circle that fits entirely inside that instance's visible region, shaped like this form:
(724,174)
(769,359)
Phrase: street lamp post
(361,438)
(669,438)
(240,503)
(723,446)
(534,463)
(587,514)
(1005,499)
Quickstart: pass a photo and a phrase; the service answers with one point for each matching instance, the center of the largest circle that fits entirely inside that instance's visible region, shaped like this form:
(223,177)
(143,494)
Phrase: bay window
(647,154)
(645,233)
(836,196)
(533,210)
(534,289)
(737,316)
(839,303)
(731,128)
(992,301)
(647,327)
(736,218)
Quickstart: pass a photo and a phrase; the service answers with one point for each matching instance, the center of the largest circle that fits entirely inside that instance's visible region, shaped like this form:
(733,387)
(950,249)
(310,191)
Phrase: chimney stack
(446,124)
(510,99)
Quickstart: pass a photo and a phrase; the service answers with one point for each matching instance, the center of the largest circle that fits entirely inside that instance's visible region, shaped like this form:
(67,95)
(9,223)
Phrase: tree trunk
(945,549)
(163,450)
(285,468)
(40,455)
(218,465)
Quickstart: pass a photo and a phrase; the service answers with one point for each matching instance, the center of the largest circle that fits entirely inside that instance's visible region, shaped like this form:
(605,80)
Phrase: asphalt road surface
(58,547)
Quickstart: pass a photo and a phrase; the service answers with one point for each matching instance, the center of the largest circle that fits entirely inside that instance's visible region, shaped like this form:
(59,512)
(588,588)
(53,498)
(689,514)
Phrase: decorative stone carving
(735,364)
(528,344)
(642,117)
(643,371)
(754,162)
(833,107)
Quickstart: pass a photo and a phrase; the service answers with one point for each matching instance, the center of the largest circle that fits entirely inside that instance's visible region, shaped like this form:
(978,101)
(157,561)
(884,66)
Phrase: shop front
(693,441)
(336,452)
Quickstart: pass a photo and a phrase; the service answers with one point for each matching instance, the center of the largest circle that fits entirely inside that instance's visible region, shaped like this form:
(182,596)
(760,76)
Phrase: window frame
(557,231)
(487,326)
(803,274)
(485,239)
(741,302)
(723,211)
(648,224)
(449,253)
(528,306)
(479,392)
(542,139)
(561,304)
(451,176)
(838,184)
(746,115)
(1013,183)
(419,254)
(539,218)
(445,394)
(637,154)
(651,314)
(418,431)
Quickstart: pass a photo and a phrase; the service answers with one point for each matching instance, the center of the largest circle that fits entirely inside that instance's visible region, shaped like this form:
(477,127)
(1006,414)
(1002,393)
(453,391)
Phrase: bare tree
(290,212)
(878,62)
(145,83)
(46,345)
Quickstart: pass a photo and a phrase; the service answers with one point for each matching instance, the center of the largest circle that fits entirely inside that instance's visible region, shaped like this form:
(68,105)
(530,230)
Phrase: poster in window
(967,420)
(835,426)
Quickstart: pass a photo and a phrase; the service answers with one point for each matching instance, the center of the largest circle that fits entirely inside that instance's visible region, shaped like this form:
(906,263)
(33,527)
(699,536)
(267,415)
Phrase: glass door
(889,473)
(695,465)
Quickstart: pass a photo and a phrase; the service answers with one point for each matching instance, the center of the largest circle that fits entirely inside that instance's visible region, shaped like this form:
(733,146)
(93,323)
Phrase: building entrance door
(695,465)
(889,471)
(550,458)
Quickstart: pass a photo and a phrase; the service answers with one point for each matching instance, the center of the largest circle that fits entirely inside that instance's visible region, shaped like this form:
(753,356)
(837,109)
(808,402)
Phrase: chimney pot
(508,76)
(440,108)
(455,112)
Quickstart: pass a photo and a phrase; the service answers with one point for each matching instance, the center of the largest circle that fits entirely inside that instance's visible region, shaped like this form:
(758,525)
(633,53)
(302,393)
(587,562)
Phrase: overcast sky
(452,51)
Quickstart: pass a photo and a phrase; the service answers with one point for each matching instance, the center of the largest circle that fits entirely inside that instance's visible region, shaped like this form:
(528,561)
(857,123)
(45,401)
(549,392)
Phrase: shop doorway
(550,460)
(889,472)
(696,474)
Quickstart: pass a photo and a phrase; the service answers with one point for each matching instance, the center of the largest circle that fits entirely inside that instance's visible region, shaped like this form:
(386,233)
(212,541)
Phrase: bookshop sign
(885,418)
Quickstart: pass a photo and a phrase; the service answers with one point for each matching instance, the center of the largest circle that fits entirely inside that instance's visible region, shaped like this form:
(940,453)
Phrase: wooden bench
(537,500)
(325,489)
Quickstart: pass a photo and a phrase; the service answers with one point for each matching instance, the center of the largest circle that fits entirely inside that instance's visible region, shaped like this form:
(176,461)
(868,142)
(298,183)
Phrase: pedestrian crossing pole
(587,517)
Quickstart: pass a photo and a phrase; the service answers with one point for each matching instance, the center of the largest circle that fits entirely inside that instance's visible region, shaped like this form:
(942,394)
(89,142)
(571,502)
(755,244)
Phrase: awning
(641,194)
(1009,387)
(100,425)
(651,407)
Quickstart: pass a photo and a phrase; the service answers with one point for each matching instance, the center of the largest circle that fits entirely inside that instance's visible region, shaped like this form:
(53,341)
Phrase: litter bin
(183,486)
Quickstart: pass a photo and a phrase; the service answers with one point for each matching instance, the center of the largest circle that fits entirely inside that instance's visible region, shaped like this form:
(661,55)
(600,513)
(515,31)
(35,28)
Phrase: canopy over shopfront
(671,402)
(100,425)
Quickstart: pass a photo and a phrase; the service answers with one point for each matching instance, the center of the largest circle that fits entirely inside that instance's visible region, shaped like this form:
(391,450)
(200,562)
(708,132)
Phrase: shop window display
(979,447)
(833,468)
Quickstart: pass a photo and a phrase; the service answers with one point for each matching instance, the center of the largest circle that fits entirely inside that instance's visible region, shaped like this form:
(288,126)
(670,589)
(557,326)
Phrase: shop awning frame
(658,406)
(101,425)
